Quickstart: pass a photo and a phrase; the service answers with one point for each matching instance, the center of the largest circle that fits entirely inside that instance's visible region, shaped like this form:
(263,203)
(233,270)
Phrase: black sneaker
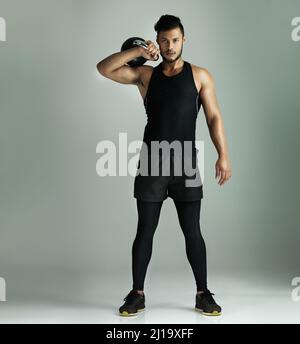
(134,303)
(206,304)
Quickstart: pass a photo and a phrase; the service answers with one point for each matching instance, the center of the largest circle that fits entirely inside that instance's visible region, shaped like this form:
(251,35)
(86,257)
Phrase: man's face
(170,44)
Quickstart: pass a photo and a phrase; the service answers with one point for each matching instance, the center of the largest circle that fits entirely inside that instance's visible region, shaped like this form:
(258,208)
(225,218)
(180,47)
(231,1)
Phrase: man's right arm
(113,67)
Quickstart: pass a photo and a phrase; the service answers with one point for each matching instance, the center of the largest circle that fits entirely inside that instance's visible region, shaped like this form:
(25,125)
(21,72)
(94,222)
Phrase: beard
(172,60)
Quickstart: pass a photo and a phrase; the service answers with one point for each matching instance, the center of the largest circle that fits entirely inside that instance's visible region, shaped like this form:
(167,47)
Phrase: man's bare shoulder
(145,73)
(145,69)
(203,74)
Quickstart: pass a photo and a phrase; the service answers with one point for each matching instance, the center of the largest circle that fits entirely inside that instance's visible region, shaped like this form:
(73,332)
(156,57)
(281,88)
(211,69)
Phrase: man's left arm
(215,125)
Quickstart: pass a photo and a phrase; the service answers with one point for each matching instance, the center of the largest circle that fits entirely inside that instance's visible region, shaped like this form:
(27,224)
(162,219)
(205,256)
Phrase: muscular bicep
(208,96)
(124,75)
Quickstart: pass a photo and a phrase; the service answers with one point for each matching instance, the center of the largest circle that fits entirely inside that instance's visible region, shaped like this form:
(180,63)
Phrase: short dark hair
(168,22)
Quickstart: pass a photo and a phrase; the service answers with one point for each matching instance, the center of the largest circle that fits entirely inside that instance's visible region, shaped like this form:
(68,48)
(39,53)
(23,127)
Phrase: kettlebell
(131,43)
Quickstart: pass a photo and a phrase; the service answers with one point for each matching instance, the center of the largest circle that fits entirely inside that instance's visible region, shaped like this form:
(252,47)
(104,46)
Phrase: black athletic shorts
(155,188)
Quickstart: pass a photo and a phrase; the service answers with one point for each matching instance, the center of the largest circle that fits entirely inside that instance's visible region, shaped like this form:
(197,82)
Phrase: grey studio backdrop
(64,229)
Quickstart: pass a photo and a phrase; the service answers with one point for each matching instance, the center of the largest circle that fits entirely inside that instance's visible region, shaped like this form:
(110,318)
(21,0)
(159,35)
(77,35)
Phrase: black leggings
(189,220)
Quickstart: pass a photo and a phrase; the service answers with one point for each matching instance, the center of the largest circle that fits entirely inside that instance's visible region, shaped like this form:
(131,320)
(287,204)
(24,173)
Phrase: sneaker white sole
(214,313)
(126,314)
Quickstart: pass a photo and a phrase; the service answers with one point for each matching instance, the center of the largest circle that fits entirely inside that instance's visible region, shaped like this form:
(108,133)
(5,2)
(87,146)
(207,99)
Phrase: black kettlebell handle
(142,43)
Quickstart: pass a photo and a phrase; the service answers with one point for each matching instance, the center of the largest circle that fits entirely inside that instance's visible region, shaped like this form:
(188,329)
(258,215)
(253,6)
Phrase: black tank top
(172,104)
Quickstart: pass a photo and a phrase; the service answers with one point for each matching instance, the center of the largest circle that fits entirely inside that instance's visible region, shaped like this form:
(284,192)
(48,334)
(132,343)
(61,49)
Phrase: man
(172,93)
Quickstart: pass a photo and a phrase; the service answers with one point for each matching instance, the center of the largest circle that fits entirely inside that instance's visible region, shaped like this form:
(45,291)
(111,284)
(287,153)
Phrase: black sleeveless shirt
(172,104)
